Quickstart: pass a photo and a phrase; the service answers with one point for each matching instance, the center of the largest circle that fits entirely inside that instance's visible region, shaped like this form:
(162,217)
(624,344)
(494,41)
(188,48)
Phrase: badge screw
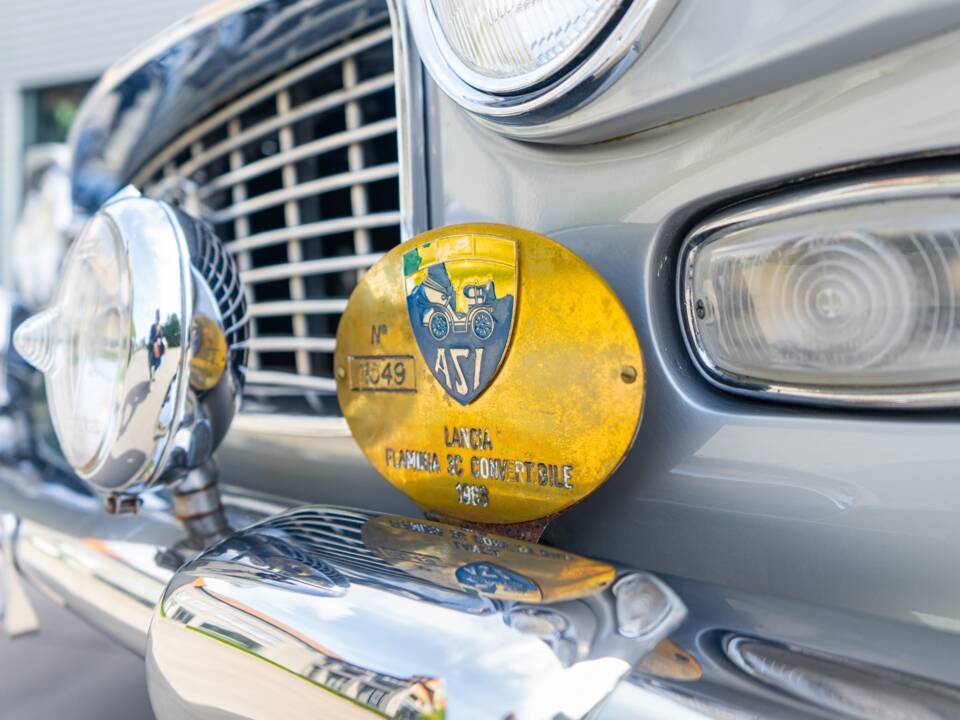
(341,373)
(628,373)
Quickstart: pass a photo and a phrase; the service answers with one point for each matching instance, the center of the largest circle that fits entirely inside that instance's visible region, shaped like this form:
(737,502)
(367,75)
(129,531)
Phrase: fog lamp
(142,348)
(849,296)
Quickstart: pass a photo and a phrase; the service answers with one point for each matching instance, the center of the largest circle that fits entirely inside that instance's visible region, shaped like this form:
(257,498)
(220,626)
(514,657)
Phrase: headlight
(135,348)
(850,295)
(82,342)
(525,61)
(505,47)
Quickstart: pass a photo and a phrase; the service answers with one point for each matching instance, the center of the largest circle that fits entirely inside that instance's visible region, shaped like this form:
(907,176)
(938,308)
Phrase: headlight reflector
(83,341)
(851,303)
(506,46)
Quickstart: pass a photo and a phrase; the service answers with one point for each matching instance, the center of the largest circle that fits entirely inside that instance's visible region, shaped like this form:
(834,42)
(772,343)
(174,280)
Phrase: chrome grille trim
(263,92)
(317,229)
(302,307)
(294,192)
(285,119)
(292,176)
(287,157)
(310,267)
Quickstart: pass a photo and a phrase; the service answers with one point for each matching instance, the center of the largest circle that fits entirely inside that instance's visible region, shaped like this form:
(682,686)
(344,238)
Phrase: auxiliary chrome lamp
(142,349)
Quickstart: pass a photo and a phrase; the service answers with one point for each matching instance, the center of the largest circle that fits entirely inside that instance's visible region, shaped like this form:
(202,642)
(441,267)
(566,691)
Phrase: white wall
(50,42)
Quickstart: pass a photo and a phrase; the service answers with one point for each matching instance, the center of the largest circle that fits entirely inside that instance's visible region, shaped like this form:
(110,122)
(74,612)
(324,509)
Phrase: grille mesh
(299,178)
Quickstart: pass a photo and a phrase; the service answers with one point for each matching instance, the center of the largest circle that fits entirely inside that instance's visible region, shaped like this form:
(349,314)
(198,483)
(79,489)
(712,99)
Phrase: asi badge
(461,291)
(489,373)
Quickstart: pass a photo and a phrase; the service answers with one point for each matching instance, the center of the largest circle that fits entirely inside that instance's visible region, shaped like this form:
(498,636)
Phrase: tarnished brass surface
(537,433)
(483,563)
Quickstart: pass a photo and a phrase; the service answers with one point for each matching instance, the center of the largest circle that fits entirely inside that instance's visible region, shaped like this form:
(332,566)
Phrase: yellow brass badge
(491,565)
(489,373)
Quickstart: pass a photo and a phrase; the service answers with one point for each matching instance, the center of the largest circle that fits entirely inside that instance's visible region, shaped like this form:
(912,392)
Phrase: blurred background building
(51,51)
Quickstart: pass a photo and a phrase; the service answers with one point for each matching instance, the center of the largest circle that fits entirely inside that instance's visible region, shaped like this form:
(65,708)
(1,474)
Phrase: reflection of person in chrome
(156,347)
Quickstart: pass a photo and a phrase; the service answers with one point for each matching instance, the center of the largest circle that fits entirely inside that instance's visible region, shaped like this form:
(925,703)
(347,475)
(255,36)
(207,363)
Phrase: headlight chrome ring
(587,66)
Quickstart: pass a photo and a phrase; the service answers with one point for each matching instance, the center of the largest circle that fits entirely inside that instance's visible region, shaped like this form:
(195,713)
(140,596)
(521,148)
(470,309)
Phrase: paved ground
(68,670)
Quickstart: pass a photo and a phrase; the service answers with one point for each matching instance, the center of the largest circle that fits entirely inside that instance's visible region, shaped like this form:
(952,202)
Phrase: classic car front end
(700,264)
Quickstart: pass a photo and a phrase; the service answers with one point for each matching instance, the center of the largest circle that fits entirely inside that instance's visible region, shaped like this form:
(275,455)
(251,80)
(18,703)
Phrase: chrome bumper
(298,616)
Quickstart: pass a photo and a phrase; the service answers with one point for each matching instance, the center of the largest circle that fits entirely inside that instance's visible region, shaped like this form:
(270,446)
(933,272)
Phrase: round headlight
(142,347)
(82,342)
(527,61)
(505,47)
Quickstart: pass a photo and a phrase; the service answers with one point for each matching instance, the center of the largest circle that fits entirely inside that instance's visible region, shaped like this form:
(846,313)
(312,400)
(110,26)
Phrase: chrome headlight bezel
(836,195)
(597,62)
(170,417)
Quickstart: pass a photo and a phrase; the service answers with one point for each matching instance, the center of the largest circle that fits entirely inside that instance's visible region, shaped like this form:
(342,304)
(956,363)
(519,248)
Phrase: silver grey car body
(831,531)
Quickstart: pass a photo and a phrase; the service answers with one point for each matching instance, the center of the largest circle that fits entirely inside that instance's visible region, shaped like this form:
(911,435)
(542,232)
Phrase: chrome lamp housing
(143,347)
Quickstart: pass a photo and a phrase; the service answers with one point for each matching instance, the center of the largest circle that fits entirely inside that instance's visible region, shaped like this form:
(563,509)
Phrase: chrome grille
(299,178)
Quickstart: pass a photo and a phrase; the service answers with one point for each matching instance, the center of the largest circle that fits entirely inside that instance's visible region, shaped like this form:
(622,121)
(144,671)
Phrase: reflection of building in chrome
(395,697)
(411,698)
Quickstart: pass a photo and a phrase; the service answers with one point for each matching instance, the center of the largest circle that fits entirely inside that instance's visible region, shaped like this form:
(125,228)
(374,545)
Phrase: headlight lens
(854,303)
(504,46)
(82,343)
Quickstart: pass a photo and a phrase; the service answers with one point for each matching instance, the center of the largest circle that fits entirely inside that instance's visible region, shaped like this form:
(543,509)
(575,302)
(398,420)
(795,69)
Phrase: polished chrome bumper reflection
(302,615)
(108,570)
(323,610)
(308,613)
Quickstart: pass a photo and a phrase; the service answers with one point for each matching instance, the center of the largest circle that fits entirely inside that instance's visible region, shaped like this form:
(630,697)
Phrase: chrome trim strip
(412,136)
(273,343)
(836,194)
(636,28)
(263,380)
(310,267)
(314,229)
(300,152)
(301,190)
(306,427)
(298,307)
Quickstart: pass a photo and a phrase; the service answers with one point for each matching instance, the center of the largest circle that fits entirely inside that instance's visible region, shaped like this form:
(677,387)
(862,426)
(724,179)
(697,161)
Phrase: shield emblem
(461,291)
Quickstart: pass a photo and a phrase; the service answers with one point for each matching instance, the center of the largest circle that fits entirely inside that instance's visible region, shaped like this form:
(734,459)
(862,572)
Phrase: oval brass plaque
(489,373)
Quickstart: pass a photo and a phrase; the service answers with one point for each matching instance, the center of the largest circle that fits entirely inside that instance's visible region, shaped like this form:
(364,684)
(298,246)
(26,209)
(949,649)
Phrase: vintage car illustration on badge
(460,294)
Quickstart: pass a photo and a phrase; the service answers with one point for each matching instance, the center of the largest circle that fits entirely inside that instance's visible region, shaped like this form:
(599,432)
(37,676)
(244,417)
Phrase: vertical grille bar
(358,192)
(291,216)
(241,226)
